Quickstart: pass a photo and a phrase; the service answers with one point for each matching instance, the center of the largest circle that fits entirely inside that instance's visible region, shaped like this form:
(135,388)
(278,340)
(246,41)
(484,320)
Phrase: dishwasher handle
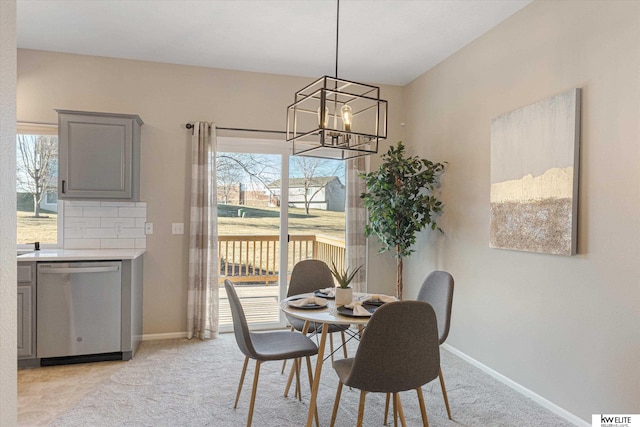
(72,270)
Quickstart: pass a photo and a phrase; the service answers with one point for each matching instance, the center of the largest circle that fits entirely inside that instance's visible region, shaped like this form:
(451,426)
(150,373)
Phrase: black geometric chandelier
(335,118)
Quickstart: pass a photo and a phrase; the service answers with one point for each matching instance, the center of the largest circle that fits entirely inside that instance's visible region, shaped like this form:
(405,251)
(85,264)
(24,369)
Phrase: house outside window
(324,192)
(52,197)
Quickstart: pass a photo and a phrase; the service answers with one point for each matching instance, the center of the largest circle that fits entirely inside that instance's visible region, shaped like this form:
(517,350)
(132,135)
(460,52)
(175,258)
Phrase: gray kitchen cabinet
(26,311)
(131,306)
(98,156)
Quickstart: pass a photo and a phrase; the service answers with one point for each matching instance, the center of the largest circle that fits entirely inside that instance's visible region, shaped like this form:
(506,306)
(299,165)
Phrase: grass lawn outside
(266,221)
(256,221)
(43,229)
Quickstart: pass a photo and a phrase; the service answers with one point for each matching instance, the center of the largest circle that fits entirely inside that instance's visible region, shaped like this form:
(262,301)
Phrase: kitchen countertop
(80,254)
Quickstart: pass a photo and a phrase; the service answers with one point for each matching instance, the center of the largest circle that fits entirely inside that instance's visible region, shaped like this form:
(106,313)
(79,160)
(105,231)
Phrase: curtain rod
(190,126)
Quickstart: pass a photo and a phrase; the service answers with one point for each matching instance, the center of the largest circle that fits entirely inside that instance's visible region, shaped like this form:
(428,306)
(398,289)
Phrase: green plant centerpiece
(400,202)
(344,294)
(343,277)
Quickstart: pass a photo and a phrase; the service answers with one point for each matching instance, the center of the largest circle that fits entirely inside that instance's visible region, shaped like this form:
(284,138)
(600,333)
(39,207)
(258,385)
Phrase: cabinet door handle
(63,182)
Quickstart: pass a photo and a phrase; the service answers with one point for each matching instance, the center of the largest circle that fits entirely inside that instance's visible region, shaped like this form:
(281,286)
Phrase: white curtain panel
(202,300)
(356,220)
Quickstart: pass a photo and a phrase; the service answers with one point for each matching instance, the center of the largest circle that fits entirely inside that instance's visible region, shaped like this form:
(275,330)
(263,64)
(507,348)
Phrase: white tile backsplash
(102,211)
(124,222)
(100,233)
(81,243)
(72,211)
(104,225)
(81,221)
(73,233)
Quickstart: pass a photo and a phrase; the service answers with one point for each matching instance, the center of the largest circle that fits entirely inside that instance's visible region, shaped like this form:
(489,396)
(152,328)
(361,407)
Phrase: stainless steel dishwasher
(78,308)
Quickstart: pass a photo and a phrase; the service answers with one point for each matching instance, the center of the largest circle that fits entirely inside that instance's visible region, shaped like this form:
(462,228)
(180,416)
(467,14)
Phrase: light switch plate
(148,228)
(177,228)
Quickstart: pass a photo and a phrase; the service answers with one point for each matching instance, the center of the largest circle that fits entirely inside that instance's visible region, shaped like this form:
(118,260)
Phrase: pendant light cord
(337,34)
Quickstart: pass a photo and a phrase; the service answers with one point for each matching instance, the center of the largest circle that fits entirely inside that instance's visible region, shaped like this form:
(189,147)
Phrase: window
(38,209)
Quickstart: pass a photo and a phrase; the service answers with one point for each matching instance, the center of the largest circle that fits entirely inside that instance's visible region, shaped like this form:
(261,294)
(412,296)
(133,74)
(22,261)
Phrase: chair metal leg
(444,394)
(423,409)
(336,404)
(386,408)
(361,408)
(244,371)
(253,393)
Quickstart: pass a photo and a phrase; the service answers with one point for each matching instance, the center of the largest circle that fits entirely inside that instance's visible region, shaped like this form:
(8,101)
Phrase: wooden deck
(260,304)
(255,258)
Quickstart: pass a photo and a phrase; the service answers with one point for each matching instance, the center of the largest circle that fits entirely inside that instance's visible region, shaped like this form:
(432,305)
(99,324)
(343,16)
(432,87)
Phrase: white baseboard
(167,336)
(520,389)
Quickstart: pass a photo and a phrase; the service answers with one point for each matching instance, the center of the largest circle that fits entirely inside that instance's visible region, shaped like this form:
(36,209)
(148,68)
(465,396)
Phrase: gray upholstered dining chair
(399,351)
(437,290)
(265,346)
(307,276)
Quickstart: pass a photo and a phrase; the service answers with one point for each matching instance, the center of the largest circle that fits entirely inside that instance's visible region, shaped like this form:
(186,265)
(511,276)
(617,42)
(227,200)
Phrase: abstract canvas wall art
(534,176)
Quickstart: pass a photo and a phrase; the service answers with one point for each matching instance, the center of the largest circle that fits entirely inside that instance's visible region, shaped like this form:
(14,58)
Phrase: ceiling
(381,41)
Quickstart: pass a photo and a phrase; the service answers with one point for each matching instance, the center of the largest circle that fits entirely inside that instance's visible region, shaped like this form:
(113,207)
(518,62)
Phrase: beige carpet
(192,383)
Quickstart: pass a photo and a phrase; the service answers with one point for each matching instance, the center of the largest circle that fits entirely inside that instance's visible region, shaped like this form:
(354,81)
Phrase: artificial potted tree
(400,201)
(344,294)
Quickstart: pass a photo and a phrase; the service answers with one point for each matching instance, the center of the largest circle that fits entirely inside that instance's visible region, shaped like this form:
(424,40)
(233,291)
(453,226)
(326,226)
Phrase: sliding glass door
(251,227)
(274,210)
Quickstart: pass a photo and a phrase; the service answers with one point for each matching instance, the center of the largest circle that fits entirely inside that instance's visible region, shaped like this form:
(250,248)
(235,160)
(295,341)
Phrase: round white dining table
(324,315)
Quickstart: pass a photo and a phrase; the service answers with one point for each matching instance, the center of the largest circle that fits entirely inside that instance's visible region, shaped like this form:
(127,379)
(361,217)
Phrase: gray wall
(566,328)
(8,288)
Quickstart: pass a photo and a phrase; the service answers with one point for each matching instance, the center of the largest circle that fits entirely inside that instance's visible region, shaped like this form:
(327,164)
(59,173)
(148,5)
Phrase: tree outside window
(37,167)
(36,183)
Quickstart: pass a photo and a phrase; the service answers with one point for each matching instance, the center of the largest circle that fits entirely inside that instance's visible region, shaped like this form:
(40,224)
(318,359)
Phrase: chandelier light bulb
(347,117)
(323,124)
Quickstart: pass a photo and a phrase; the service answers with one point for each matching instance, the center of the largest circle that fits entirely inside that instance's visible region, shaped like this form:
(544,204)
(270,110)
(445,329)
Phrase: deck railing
(255,259)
